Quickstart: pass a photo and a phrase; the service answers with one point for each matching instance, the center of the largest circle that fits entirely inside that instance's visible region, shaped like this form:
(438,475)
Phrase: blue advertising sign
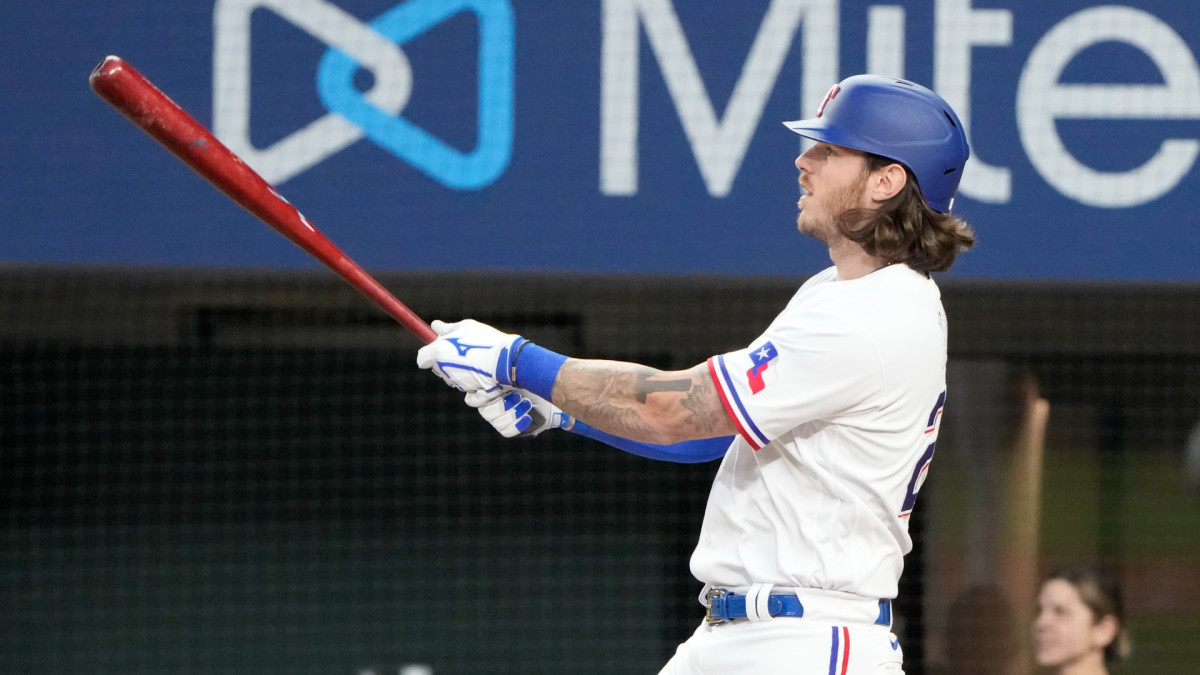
(611,136)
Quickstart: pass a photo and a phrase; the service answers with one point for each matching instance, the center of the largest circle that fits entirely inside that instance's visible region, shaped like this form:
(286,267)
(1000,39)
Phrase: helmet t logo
(833,91)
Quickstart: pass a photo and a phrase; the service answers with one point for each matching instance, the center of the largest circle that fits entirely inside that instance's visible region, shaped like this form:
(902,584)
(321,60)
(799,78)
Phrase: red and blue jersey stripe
(733,404)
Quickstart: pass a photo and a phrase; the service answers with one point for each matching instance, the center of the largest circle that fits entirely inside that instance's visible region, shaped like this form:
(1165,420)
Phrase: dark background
(215,472)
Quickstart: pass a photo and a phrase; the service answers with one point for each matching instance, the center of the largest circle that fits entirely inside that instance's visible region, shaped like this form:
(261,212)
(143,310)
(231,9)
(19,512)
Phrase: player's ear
(887,182)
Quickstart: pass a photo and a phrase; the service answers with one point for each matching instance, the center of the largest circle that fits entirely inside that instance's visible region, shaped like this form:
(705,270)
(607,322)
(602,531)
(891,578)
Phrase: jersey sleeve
(808,368)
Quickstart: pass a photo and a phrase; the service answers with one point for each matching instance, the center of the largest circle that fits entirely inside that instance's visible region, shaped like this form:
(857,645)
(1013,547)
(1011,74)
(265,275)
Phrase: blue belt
(723,606)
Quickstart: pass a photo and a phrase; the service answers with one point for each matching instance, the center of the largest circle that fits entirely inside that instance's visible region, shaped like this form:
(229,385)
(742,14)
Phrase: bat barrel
(154,112)
(151,110)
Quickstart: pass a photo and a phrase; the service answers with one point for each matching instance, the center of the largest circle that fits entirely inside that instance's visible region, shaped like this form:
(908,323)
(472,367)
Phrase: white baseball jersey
(837,407)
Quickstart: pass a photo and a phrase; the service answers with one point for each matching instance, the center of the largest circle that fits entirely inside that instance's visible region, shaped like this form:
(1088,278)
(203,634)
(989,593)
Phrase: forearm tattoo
(645,386)
(614,397)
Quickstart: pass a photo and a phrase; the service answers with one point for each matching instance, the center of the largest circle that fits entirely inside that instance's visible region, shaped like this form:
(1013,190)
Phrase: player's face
(1065,631)
(832,180)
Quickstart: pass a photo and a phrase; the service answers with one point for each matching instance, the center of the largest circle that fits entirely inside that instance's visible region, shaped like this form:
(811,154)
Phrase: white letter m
(718,145)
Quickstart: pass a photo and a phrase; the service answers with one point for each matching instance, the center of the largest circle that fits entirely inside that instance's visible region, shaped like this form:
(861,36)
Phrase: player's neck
(851,261)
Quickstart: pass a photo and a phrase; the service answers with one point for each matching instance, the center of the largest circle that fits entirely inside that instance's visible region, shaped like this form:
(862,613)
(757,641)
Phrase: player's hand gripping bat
(156,114)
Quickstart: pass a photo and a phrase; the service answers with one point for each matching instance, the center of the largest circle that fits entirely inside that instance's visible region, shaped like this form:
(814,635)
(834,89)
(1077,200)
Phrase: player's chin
(810,226)
(801,227)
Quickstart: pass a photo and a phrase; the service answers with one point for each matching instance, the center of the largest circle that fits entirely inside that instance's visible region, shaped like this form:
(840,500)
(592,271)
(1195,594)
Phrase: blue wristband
(536,369)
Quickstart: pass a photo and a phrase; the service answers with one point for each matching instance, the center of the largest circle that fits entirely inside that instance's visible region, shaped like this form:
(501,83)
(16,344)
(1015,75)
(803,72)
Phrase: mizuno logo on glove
(464,348)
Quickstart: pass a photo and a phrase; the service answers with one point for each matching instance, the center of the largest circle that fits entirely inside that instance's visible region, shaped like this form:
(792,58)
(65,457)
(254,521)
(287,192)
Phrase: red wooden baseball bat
(146,106)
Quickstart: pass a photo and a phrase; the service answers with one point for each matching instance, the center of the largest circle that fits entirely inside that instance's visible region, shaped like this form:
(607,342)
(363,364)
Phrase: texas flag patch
(761,358)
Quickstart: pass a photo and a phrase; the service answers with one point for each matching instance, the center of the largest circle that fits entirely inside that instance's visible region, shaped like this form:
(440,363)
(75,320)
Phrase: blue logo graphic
(464,348)
(456,169)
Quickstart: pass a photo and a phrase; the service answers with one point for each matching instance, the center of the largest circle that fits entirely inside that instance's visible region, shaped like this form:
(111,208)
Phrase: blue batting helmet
(899,120)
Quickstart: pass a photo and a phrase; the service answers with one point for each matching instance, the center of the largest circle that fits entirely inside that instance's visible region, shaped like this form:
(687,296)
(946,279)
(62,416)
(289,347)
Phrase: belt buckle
(715,597)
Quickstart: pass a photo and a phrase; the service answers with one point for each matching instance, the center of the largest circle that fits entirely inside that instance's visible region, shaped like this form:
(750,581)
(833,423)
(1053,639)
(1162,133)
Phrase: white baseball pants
(787,645)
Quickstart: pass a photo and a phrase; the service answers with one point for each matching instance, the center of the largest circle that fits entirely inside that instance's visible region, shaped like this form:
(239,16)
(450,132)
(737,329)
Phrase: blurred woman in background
(1078,629)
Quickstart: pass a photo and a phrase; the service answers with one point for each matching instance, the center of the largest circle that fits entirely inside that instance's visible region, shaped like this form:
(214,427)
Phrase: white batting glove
(469,355)
(516,412)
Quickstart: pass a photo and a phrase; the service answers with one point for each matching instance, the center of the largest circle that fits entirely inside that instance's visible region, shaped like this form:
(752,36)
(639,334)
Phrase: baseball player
(826,422)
